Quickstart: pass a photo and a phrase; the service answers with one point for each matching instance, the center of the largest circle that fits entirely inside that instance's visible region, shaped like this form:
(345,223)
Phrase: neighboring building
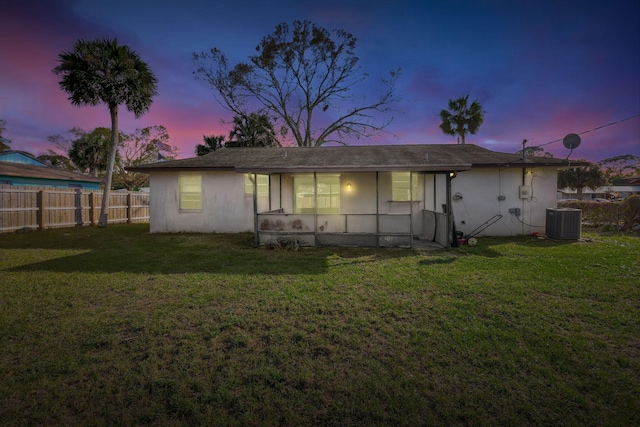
(13,156)
(20,169)
(393,195)
(620,188)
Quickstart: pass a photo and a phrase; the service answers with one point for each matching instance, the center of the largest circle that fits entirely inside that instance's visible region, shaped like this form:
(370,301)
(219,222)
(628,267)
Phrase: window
(328,193)
(303,194)
(400,183)
(190,193)
(263,185)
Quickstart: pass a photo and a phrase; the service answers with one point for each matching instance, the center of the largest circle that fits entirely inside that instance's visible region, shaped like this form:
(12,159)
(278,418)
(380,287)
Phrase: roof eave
(307,169)
(143,169)
(338,169)
(521,164)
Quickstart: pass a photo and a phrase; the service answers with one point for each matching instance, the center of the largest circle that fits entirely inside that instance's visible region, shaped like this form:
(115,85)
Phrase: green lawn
(119,327)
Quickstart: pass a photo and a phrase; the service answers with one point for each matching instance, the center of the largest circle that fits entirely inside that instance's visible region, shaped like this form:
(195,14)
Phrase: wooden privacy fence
(39,207)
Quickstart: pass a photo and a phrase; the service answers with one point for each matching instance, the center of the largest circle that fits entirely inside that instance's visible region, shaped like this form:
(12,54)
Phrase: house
(18,168)
(393,195)
(22,157)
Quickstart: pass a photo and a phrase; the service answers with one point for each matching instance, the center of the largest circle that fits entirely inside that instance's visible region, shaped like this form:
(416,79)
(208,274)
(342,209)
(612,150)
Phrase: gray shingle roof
(425,158)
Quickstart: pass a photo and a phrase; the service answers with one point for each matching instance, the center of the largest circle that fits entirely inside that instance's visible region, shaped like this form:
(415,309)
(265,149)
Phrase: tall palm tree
(103,72)
(461,118)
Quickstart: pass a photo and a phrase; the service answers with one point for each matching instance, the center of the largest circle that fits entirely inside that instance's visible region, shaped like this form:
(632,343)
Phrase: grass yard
(119,327)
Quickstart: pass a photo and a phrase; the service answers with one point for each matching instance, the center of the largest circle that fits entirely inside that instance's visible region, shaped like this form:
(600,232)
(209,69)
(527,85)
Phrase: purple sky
(540,69)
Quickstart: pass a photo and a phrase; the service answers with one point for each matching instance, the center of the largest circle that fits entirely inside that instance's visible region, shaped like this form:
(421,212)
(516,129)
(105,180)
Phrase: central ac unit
(563,223)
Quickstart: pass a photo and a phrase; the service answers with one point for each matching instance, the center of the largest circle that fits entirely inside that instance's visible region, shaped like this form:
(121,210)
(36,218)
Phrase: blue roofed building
(18,168)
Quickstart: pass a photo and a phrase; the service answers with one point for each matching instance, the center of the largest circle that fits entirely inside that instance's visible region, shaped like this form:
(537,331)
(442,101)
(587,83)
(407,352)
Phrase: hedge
(621,216)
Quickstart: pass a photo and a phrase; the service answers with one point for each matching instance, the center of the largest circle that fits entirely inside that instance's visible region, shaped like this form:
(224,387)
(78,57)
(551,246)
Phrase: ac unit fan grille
(563,223)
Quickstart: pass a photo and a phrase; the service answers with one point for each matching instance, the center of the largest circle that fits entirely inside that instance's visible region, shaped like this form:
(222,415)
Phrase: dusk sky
(541,70)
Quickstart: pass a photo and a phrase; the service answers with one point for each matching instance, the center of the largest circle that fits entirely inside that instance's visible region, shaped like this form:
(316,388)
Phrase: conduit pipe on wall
(451,226)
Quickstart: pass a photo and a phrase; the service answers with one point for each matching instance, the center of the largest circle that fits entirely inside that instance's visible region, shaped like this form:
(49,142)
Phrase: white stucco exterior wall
(361,198)
(481,188)
(225,208)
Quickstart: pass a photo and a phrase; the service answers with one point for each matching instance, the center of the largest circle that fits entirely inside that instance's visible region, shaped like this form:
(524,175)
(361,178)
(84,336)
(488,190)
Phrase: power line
(596,128)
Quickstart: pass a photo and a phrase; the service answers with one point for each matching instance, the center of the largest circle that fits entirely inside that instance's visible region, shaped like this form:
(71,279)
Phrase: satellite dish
(571,141)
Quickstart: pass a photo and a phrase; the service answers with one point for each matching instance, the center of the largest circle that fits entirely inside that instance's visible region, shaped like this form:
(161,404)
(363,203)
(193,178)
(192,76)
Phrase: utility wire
(529,225)
(581,133)
(594,129)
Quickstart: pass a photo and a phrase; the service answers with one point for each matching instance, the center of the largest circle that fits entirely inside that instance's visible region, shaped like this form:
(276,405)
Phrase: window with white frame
(404,187)
(328,193)
(263,185)
(190,193)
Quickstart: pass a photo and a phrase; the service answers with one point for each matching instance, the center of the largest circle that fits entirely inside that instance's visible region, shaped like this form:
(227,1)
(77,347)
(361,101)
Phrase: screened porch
(373,209)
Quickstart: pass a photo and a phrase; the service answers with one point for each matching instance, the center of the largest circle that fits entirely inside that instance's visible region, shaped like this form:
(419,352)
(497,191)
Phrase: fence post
(40,202)
(129,207)
(92,222)
(77,201)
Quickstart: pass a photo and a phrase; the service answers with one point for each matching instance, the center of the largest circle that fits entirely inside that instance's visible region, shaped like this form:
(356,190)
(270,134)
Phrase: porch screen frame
(314,181)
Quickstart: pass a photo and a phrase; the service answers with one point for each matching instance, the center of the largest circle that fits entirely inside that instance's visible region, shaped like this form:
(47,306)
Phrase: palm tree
(211,143)
(461,119)
(254,130)
(103,72)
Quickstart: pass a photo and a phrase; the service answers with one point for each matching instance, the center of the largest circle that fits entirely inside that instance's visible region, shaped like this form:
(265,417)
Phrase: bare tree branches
(302,78)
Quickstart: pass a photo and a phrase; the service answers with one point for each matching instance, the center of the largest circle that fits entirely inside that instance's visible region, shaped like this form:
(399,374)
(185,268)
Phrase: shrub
(622,216)
(630,210)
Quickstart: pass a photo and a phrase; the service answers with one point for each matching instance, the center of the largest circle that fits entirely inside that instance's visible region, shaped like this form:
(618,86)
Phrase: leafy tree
(461,118)
(254,130)
(580,178)
(58,155)
(53,159)
(211,143)
(103,72)
(62,144)
(81,151)
(618,167)
(302,77)
(4,142)
(534,151)
(90,151)
(146,145)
